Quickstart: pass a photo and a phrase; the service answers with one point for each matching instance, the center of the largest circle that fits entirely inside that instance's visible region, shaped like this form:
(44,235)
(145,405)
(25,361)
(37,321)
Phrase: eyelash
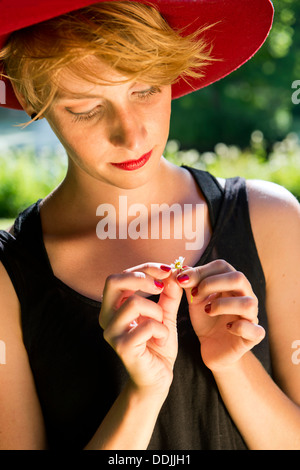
(86,116)
(147,93)
(143,95)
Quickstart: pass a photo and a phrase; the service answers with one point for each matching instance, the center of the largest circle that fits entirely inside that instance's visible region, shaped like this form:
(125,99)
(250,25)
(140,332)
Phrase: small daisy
(178,263)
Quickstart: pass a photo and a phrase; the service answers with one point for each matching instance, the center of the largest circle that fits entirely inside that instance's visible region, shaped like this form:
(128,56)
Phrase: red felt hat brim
(241,28)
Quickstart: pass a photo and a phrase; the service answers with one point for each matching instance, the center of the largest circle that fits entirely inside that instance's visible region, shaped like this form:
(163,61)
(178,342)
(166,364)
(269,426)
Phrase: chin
(136,178)
(132,181)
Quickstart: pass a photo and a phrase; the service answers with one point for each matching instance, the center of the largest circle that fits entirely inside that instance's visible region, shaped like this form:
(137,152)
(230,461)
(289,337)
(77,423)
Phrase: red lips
(131,165)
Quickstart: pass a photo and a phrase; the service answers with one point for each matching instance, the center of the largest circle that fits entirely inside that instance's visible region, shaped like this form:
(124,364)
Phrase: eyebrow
(61,95)
(74,96)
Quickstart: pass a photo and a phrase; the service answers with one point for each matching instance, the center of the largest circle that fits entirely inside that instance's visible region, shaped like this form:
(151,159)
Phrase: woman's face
(114,133)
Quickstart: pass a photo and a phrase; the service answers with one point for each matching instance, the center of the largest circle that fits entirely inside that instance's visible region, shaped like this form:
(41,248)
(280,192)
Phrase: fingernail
(194,291)
(207,308)
(183,278)
(165,268)
(158,284)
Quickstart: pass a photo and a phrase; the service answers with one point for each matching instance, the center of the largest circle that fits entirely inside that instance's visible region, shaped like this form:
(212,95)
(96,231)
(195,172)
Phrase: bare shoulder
(273,210)
(265,194)
(18,397)
(275,221)
(8,297)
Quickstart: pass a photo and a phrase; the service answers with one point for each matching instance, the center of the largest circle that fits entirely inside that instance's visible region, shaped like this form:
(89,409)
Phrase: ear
(26,106)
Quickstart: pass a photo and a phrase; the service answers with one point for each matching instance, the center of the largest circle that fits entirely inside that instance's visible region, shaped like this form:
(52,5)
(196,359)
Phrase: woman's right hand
(142,332)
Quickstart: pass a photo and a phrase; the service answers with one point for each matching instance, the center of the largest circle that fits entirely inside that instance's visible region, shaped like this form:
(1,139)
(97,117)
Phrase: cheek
(75,138)
(164,127)
(161,118)
(59,127)
(166,114)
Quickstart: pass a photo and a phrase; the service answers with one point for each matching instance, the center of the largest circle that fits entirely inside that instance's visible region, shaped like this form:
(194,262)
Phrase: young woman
(109,346)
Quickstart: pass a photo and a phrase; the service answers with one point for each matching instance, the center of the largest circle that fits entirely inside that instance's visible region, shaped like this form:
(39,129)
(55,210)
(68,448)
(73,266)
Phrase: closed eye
(85,116)
(148,93)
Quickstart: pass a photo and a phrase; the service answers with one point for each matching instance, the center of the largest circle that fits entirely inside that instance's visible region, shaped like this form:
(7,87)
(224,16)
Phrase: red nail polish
(165,268)
(207,308)
(194,291)
(183,278)
(158,284)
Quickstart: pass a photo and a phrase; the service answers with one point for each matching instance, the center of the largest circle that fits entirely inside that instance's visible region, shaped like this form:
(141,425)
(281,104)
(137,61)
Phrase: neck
(79,195)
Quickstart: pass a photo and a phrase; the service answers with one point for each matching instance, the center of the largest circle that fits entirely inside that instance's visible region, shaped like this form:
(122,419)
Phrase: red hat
(242,29)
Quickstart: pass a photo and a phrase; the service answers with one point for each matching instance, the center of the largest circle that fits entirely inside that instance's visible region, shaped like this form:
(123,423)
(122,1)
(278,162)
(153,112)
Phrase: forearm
(130,422)
(264,415)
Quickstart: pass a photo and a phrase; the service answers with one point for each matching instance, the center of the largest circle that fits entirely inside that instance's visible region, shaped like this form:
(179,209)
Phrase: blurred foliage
(26,176)
(281,165)
(256,96)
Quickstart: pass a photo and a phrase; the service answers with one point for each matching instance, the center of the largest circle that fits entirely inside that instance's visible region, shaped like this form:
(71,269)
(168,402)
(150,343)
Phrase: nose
(127,129)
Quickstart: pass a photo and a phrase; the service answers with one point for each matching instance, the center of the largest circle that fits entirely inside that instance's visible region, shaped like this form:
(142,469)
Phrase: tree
(256,96)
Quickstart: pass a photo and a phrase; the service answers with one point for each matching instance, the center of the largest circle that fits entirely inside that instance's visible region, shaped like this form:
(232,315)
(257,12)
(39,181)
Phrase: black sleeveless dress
(77,374)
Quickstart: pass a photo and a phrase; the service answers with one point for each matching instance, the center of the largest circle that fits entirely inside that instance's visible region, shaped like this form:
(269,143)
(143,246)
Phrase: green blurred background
(247,124)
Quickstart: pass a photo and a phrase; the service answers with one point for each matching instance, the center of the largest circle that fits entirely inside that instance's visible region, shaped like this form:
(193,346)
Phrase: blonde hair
(130,37)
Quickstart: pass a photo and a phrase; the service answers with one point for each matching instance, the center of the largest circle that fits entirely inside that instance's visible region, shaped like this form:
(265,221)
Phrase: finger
(169,300)
(247,330)
(234,281)
(138,337)
(131,311)
(245,307)
(192,277)
(121,286)
(157,270)
(131,281)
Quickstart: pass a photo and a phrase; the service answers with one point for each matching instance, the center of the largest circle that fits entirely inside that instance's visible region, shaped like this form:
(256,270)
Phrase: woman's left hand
(224,312)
